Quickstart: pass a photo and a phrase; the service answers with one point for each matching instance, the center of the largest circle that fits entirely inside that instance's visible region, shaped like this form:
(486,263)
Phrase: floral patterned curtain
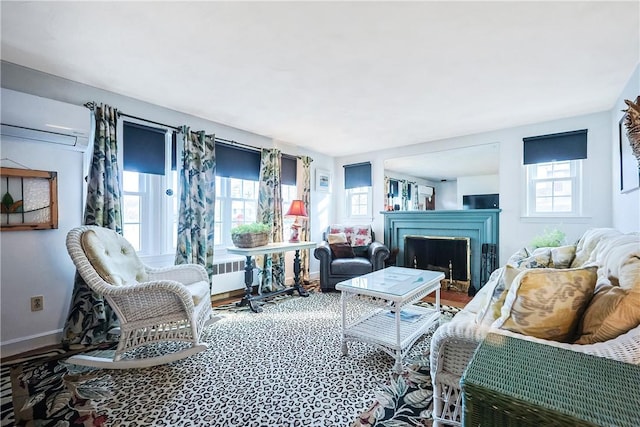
(90,318)
(270,212)
(405,195)
(414,196)
(305,230)
(197,200)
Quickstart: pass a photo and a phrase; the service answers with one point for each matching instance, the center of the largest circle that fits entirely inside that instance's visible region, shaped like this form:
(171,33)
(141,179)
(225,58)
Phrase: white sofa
(615,258)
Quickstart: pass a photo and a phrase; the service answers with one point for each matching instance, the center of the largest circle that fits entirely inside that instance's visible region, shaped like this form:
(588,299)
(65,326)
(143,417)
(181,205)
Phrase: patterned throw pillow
(503,278)
(341,250)
(562,256)
(547,303)
(612,312)
(510,274)
(491,285)
(517,257)
(357,235)
(539,258)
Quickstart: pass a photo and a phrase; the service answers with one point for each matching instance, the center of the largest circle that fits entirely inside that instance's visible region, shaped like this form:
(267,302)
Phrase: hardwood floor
(452,298)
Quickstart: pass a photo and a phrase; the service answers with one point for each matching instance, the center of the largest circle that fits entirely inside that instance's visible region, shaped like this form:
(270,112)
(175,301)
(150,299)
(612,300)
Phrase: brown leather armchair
(333,270)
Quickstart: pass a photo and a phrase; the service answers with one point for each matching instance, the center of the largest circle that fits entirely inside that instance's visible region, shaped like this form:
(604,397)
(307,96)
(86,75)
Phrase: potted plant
(549,238)
(250,235)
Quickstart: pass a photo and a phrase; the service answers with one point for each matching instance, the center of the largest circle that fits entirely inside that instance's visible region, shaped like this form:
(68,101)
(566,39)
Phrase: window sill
(169,259)
(225,257)
(556,219)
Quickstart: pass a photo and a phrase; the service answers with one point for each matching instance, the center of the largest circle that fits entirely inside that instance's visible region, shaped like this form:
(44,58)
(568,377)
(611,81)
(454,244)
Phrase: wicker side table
(515,382)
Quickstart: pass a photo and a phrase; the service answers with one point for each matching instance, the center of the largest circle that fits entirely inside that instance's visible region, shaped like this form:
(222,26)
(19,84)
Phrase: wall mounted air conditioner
(36,119)
(425,191)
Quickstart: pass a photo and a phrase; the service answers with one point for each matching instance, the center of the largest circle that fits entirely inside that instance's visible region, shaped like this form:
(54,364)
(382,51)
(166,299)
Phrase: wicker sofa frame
(454,343)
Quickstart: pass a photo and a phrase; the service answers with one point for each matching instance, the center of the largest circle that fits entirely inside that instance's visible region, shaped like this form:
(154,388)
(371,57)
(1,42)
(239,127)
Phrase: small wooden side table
(271,248)
(515,382)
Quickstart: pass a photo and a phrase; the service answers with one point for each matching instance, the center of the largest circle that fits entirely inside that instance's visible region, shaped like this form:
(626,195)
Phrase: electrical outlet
(37,303)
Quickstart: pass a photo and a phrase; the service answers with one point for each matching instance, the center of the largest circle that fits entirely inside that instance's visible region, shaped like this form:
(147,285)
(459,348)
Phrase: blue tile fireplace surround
(479,225)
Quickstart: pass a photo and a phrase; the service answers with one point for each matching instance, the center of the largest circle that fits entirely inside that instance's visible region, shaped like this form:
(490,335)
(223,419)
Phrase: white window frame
(158,221)
(350,194)
(576,190)
(224,200)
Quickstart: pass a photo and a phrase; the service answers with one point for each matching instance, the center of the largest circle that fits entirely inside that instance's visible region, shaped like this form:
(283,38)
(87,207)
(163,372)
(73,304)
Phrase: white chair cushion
(113,258)
(199,291)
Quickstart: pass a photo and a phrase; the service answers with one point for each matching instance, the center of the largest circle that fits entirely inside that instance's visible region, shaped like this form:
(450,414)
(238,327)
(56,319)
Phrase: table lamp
(296,210)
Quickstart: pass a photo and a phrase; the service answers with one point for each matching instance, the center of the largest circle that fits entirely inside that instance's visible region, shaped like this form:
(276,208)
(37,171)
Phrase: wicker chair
(152,305)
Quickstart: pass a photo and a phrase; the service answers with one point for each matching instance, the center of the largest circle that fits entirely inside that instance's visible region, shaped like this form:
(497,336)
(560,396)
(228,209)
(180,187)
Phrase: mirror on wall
(439,180)
(405,194)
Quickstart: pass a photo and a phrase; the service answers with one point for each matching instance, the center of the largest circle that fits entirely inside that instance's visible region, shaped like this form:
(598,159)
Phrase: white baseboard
(32,342)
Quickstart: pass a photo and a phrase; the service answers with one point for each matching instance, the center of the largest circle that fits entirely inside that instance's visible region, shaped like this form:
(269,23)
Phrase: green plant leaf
(549,238)
(7,200)
(254,227)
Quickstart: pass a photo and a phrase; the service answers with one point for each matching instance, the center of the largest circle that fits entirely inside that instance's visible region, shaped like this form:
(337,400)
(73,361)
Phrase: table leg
(343,300)
(438,309)
(398,364)
(297,285)
(248,282)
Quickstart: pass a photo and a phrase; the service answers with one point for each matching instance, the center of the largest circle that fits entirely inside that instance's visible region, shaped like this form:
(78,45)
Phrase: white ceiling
(340,77)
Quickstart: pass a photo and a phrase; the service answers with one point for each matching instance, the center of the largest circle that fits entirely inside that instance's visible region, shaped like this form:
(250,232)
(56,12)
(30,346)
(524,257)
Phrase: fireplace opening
(449,255)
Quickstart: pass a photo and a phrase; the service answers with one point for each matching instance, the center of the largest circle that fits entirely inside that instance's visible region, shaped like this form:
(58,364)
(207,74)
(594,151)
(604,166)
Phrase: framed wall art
(629,170)
(323,181)
(29,199)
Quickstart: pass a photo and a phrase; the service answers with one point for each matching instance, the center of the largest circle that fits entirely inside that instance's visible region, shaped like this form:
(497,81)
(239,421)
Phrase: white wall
(447,195)
(36,262)
(515,231)
(626,206)
(480,184)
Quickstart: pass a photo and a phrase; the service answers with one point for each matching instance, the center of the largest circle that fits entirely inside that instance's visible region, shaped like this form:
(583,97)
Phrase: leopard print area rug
(281,367)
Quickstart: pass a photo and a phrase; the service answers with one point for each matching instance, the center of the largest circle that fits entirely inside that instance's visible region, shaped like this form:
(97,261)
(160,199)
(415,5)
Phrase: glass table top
(392,281)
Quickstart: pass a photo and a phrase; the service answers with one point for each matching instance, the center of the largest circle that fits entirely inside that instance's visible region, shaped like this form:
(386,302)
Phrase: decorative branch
(632,123)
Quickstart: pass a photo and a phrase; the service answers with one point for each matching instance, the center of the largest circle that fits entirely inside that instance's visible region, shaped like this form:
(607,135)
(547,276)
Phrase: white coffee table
(394,323)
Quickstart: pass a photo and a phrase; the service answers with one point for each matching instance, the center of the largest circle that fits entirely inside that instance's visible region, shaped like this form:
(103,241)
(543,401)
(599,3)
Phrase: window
(553,173)
(289,193)
(357,184)
(358,201)
(554,188)
(150,207)
(237,203)
(150,189)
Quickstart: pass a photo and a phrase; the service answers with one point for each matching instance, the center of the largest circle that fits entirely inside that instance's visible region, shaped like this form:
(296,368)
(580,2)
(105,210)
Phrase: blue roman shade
(289,170)
(555,147)
(144,149)
(237,162)
(357,175)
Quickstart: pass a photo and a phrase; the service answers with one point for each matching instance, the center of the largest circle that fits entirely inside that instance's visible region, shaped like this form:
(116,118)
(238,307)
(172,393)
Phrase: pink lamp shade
(297,209)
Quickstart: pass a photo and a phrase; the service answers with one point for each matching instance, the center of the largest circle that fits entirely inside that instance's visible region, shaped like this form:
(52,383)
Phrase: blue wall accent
(480,225)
